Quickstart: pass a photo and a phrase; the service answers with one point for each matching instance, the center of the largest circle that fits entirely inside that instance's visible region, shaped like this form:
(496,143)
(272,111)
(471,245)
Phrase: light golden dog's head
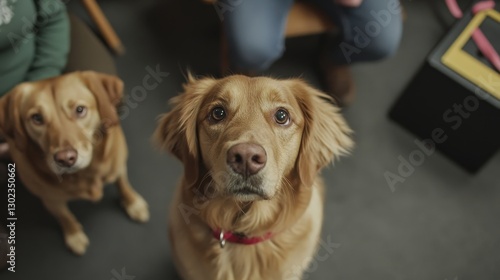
(61,118)
(250,137)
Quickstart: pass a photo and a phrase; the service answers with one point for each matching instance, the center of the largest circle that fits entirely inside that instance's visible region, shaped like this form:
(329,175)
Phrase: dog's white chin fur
(247,190)
(248,197)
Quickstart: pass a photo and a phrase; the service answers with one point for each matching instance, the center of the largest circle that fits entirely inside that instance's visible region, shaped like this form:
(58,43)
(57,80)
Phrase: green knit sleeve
(52,35)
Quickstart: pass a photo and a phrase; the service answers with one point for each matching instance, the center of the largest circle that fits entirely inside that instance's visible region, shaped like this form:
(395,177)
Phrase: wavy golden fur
(289,203)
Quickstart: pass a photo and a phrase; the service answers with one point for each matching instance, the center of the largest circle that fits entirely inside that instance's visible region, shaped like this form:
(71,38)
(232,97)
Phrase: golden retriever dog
(65,139)
(250,202)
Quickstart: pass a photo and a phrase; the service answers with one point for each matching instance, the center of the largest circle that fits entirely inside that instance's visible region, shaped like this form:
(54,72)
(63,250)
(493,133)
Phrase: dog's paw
(138,210)
(77,242)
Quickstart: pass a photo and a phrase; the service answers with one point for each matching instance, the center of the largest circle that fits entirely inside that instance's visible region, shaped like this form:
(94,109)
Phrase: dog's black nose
(66,157)
(246,159)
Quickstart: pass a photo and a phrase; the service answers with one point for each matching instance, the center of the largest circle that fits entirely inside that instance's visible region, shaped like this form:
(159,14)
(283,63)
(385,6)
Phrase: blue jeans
(255,31)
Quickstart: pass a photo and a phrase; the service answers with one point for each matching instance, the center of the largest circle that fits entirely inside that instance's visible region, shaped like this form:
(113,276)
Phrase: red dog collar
(238,238)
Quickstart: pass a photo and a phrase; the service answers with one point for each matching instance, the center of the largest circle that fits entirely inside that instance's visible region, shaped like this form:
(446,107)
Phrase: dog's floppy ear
(11,124)
(108,92)
(326,135)
(176,131)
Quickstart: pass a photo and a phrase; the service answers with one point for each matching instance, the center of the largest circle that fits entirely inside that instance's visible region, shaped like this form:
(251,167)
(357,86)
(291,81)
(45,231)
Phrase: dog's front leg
(74,237)
(134,204)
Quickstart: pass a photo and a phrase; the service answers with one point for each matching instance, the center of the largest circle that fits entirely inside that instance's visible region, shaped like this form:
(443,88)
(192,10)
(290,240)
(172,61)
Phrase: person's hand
(349,3)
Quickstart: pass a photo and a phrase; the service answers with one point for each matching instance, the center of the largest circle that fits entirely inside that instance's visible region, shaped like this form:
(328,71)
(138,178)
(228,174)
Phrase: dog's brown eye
(218,114)
(281,116)
(37,119)
(81,111)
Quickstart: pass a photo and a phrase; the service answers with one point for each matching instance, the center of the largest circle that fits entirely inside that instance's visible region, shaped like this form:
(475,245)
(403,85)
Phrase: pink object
(483,5)
(478,36)
(486,48)
(454,8)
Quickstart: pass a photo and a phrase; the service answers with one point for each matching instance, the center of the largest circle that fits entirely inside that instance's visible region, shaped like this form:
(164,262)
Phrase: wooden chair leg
(104,27)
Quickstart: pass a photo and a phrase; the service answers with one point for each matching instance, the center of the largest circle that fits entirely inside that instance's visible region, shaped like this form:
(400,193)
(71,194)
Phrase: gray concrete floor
(441,223)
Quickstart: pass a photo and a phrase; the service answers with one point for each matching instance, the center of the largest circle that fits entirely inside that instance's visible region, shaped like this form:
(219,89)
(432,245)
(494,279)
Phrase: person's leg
(87,51)
(255,32)
(369,32)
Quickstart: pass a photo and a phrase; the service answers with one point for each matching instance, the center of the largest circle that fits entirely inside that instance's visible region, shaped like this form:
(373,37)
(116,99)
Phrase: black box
(457,93)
